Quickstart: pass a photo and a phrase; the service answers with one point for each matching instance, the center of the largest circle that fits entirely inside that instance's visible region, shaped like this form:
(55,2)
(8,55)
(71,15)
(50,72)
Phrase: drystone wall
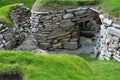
(12,37)
(62,29)
(9,38)
(108,41)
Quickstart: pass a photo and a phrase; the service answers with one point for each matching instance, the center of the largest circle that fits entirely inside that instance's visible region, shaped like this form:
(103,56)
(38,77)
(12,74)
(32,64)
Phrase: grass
(103,70)
(28,3)
(112,7)
(45,67)
(5,13)
(53,4)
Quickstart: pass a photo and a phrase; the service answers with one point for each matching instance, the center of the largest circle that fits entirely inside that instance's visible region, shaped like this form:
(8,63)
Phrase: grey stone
(41,13)
(71,45)
(116,26)
(96,52)
(101,16)
(68,16)
(80,12)
(86,49)
(39,51)
(107,21)
(107,58)
(44,45)
(113,31)
(34,30)
(86,41)
(27,44)
(116,58)
(71,10)
(52,37)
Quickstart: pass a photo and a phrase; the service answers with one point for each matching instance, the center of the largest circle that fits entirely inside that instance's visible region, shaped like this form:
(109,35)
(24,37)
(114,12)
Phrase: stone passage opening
(63,29)
(13,76)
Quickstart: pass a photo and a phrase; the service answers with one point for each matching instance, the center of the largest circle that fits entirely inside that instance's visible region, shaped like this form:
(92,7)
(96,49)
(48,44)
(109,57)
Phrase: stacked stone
(12,37)
(21,17)
(108,43)
(61,29)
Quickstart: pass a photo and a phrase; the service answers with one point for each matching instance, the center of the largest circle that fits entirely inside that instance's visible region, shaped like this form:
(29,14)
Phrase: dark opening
(12,76)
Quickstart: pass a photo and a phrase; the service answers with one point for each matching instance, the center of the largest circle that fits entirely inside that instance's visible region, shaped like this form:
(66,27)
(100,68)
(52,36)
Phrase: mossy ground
(103,70)
(5,13)
(45,66)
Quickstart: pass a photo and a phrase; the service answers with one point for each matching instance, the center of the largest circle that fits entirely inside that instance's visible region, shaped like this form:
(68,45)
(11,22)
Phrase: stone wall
(62,29)
(21,17)
(108,41)
(11,37)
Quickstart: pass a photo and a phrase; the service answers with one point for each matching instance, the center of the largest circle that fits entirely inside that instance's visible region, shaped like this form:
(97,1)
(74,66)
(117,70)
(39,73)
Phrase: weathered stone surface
(21,16)
(114,31)
(107,21)
(80,12)
(44,45)
(86,49)
(68,26)
(86,41)
(68,16)
(101,16)
(57,45)
(40,36)
(71,45)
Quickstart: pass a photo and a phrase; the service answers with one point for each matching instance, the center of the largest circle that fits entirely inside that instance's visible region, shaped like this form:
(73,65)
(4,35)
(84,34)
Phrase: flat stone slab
(71,45)
(114,31)
(107,21)
(68,16)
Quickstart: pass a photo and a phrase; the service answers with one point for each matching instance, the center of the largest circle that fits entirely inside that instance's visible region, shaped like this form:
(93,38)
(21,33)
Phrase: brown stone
(56,45)
(57,18)
(68,26)
(52,37)
(65,40)
(44,45)
(71,45)
(75,34)
(41,37)
(64,37)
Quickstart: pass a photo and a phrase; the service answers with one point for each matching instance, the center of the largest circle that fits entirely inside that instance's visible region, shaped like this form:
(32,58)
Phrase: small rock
(113,31)
(68,16)
(107,21)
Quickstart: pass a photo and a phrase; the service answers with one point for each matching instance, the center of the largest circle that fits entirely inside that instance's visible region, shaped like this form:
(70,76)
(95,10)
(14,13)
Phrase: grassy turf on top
(5,13)
(28,3)
(45,67)
(61,3)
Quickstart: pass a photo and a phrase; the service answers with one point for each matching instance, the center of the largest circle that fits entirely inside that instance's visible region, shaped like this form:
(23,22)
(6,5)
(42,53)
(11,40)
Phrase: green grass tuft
(54,4)
(28,3)
(112,7)
(45,67)
(103,70)
(5,13)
